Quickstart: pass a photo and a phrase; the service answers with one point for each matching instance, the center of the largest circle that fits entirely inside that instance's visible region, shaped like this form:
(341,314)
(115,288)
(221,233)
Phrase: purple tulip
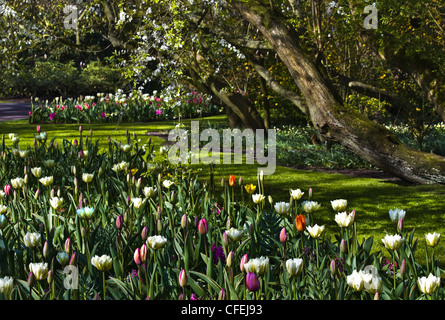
(252,282)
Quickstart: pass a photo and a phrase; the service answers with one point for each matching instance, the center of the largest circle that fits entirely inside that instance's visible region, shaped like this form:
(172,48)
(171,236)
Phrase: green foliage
(175,212)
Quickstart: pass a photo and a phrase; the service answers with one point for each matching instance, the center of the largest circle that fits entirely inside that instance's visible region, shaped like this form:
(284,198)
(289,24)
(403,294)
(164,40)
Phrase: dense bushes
(49,78)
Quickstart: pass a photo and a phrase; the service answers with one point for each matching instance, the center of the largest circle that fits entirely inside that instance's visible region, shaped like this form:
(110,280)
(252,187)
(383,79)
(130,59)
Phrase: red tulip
(300,222)
(231,180)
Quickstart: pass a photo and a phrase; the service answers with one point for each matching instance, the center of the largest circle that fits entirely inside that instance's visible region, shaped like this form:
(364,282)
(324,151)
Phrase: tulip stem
(103,280)
(394,267)
(316,243)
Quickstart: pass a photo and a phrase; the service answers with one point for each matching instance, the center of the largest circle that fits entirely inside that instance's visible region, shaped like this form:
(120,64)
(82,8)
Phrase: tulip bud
(7,189)
(137,256)
(143,253)
(38,129)
(377,296)
(252,282)
(403,267)
(184,221)
(310,193)
(222,182)
(183,280)
(343,248)
(81,154)
(68,245)
(230,258)
(202,227)
(31,279)
(45,249)
(244,259)
(36,195)
(83,232)
(159,225)
(119,222)
(222,295)
(50,277)
(75,143)
(52,193)
(400,225)
(228,224)
(80,128)
(225,239)
(333,267)
(73,260)
(144,234)
(283,235)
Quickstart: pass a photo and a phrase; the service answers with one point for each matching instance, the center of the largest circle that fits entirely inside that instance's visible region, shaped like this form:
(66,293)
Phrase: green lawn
(371,198)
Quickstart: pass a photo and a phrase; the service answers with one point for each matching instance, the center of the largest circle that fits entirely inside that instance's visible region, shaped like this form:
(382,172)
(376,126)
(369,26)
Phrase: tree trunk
(331,117)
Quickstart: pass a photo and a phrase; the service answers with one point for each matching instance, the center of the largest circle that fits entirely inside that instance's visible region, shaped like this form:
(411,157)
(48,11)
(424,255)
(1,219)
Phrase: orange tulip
(299,221)
(231,180)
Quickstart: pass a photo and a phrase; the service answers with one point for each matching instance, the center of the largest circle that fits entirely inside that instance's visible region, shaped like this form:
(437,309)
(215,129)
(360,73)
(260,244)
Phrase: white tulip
(310,206)
(315,231)
(167,183)
(17,183)
(294,266)
(257,198)
(344,219)
(32,239)
(339,205)
(137,202)
(56,203)
(37,172)
(6,287)
(156,242)
(149,192)
(234,234)
(46,181)
(396,214)
(296,194)
(87,177)
(393,242)
(3,208)
(432,239)
(355,280)
(258,265)
(39,269)
(282,208)
(428,285)
(102,263)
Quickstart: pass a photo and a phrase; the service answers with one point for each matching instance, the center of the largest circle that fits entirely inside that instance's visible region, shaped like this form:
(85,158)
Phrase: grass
(371,198)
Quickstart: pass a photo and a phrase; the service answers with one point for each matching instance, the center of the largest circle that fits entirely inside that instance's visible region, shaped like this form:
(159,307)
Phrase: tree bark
(330,116)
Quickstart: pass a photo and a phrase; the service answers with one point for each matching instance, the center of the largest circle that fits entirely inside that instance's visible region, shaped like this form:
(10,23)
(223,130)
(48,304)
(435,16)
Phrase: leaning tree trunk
(335,121)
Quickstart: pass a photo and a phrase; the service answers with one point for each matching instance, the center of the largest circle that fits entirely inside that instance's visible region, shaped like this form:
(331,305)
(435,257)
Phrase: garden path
(14,109)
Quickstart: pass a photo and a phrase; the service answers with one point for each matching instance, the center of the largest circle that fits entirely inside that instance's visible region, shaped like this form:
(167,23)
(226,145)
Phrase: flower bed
(120,107)
(122,225)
